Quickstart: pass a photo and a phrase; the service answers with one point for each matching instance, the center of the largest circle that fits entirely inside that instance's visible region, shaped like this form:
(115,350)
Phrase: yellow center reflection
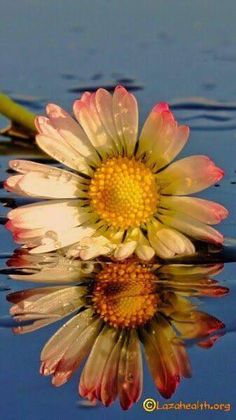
(125,295)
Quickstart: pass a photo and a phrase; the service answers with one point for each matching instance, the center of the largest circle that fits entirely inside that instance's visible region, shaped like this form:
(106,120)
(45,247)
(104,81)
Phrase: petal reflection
(115,309)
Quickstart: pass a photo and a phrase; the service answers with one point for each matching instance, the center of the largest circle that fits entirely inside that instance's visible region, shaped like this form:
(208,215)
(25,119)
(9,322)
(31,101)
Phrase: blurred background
(183,52)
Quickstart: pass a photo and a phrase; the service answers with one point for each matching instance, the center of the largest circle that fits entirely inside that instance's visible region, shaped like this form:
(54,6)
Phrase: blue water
(164,50)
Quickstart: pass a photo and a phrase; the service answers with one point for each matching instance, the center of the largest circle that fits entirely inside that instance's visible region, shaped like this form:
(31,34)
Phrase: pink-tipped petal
(90,381)
(161,138)
(75,353)
(162,107)
(71,132)
(189,175)
(109,386)
(86,112)
(161,361)
(203,210)
(196,325)
(130,372)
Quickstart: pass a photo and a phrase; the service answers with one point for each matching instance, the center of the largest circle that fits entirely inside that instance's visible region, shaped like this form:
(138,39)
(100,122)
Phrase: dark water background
(164,50)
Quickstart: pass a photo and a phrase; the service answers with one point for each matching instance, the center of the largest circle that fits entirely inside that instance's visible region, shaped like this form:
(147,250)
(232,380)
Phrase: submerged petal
(48,268)
(130,371)
(67,336)
(44,305)
(161,359)
(78,347)
(117,305)
(196,324)
(91,378)
(109,383)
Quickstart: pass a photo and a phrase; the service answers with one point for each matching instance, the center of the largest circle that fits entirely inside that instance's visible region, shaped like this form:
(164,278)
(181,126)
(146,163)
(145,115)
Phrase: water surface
(163,51)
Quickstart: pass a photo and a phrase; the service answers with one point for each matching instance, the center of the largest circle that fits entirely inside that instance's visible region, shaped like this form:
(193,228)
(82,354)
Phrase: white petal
(191,227)
(86,112)
(160,248)
(42,185)
(168,242)
(94,246)
(104,106)
(143,250)
(63,153)
(125,250)
(25,166)
(28,237)
(56,240)
(48,214)
(175,241)
(125,110)
(71,132)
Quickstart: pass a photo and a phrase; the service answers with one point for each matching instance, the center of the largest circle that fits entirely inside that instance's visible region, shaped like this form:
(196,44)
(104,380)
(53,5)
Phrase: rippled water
(181,52)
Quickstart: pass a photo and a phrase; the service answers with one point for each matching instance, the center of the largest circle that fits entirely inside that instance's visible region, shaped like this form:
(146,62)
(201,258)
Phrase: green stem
(17,113)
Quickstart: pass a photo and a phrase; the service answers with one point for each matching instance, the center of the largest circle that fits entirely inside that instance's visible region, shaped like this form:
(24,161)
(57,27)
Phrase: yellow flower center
(123,192)
(124,294)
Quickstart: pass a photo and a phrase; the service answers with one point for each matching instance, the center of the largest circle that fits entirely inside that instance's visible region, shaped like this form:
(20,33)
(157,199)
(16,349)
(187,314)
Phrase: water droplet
(130,377)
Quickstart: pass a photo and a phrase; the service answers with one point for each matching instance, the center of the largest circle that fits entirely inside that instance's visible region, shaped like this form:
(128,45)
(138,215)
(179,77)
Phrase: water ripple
(206,114)
(128,83)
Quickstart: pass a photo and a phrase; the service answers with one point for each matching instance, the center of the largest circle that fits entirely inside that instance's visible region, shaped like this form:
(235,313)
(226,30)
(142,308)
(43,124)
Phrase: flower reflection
(116,308)
(127,196)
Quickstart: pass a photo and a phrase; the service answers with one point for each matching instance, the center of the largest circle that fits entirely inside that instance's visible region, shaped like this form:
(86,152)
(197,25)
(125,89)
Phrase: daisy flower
(116,308)
(123,194)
